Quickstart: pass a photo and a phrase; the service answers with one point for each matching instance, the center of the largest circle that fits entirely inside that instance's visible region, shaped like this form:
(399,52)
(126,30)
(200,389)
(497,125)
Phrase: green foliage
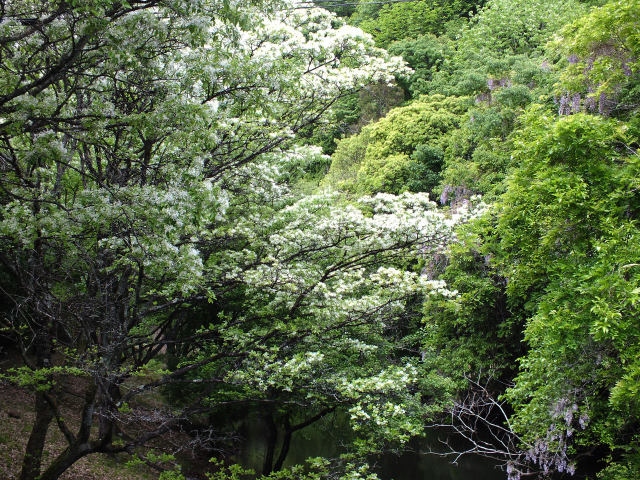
(345,113)
(229,472)
(505,42)
(389,144)
(383,173)
(165,462)
(624,469)
(155,193)
(341,265)
(518,96)
(347,467)
(564,163)
(147,143)
(409,20)
(549,279)
(568,234)
(346,160)
(479,333)
(478,156)
(599,53)
(365,11)
(335,7)
(517,27)
(376,100)
(41,379)
(553,260)
(425,55)
(499,60)
(423,171)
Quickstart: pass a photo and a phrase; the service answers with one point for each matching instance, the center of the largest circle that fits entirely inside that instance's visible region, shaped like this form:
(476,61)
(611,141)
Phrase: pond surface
(417,464)
(421,465)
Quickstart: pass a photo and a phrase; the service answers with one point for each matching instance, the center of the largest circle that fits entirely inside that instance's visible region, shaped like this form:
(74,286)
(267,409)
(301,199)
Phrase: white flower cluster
(331,259)
(290,60)
(393,379)
(383,403)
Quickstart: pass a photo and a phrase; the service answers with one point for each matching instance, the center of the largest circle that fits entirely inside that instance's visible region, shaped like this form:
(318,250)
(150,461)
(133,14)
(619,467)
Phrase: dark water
(325,440)
(426,466)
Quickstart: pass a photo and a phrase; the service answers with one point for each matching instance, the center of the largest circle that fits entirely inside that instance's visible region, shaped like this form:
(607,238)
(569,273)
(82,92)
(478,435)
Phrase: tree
(121,124)
(412,19)
(566,247)
(598,61)
(424,54)
(379,159)
(319,294)
(554,264)
(502,45)
(340,10)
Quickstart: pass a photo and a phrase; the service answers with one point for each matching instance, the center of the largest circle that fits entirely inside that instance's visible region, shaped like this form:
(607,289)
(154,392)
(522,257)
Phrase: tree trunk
(32,461)
(33,454)
(63,461)
(286,443)
(272,439)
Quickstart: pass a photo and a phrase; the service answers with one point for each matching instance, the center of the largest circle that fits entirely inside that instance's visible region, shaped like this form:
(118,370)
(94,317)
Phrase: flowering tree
(130,135)
(319,297)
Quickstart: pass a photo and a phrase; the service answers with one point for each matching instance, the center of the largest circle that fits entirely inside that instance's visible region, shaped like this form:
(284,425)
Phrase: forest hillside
(231,226)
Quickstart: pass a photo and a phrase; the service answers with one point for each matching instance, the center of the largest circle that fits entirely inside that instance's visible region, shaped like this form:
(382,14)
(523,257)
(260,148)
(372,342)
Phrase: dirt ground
(16,418)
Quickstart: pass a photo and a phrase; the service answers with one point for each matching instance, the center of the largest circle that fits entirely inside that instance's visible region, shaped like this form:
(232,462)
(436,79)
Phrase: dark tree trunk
(286,443)
(78,445)
(272,439)
(32,460)
(62,462)
(106,404)
(33,454)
